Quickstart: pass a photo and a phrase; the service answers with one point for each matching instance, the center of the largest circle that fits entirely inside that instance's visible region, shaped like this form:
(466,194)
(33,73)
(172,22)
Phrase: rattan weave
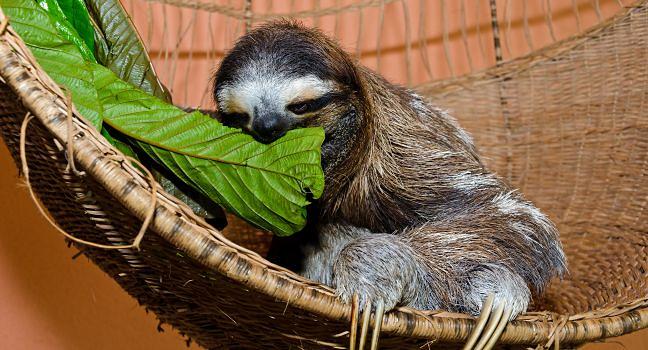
(568,125)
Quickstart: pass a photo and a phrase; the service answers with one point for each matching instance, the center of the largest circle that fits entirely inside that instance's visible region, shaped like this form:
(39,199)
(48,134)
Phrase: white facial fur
(257,87)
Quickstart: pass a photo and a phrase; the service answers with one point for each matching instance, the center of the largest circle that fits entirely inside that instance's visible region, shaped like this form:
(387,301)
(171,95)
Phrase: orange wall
(48,301)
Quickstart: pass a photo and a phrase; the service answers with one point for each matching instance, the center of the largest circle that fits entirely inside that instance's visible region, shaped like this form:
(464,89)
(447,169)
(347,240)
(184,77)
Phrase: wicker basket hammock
(568,125)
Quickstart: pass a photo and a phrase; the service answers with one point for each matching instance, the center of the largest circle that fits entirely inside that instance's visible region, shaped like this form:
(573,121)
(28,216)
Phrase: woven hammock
(567,125)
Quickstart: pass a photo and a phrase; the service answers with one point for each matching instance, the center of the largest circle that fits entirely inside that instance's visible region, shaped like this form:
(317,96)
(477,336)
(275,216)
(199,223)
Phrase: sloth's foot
(376,273)
(370,291)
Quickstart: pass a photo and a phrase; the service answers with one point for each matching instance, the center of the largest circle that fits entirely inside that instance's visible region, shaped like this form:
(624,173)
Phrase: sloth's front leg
(375,266)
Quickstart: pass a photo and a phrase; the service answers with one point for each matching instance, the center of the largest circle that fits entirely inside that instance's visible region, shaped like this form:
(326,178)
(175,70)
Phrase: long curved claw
(355,314)
(493,323)
(378,318)
(366,313)
(498,331)
(489,327)
(481,322)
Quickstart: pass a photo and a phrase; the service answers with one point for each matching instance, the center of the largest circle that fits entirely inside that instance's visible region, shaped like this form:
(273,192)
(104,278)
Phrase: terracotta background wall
(50,301)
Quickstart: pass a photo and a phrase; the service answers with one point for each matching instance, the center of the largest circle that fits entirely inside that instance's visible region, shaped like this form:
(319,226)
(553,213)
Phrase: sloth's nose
(268,128)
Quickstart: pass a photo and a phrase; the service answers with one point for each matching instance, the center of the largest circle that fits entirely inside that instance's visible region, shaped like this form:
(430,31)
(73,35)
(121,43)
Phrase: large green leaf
(59,57)
(76,13)
(265,184)
(120,47)
(66,28)
(80,80)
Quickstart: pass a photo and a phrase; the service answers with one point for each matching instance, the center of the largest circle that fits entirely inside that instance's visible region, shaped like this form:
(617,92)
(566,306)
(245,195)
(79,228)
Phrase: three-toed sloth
(409,215)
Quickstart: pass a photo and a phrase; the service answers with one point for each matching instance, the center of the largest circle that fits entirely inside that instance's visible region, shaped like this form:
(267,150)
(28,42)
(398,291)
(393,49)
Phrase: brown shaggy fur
(409,215)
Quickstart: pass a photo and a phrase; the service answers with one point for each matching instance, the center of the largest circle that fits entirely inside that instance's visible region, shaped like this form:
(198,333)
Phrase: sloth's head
(281,76)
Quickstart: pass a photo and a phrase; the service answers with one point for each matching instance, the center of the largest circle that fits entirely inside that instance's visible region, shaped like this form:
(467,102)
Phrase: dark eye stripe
(311,105)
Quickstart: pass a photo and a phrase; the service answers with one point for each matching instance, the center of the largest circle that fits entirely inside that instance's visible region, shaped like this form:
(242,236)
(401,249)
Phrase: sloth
(410,216)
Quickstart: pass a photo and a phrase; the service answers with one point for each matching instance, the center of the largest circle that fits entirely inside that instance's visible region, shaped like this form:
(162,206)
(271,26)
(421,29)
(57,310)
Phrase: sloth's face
(266,104)
(282,76)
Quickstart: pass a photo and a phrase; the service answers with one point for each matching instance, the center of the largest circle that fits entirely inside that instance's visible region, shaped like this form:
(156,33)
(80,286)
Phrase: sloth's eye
(310,105)
(299,108)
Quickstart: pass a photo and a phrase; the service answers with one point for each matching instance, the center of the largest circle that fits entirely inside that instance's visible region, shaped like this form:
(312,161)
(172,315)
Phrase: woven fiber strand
(566,125)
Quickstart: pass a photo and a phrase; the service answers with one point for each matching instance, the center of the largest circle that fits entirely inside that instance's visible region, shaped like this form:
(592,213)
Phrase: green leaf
(61,59)
(65,28)
(265,184)
(120,47)
(76,13)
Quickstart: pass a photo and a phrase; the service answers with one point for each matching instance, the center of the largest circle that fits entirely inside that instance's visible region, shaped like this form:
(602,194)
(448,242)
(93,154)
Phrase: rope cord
(70,137)
(119,158)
